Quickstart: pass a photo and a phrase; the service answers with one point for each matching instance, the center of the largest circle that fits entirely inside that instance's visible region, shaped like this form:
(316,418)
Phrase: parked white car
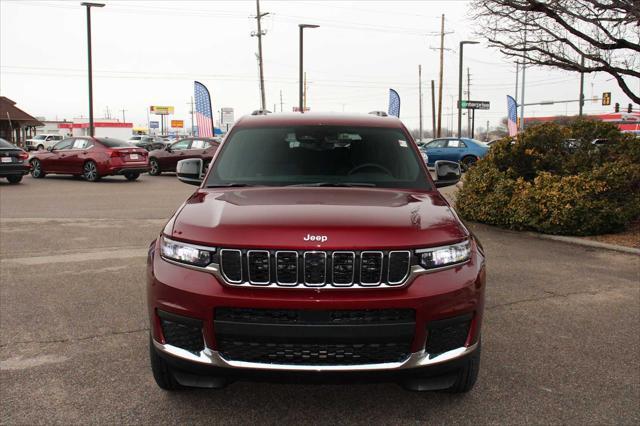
(42,142)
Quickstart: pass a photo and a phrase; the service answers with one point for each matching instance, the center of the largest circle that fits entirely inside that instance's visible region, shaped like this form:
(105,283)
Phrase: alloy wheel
(90,171)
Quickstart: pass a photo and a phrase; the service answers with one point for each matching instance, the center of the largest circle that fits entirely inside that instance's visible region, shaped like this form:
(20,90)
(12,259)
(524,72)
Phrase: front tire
(40,148)
(90,171)
(154,167)
(14,178)
(161,372)
(36,169)
(131,176)
(468,374)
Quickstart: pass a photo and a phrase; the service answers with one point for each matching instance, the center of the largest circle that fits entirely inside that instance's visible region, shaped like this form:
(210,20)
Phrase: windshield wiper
(336,184)
(229,185)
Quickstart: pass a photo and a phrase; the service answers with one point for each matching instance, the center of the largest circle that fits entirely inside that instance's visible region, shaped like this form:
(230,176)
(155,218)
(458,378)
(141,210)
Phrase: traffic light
(629,108)
(617,107)
(606,98)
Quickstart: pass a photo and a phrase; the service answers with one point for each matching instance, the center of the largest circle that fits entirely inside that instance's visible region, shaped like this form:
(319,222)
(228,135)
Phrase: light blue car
(465,151)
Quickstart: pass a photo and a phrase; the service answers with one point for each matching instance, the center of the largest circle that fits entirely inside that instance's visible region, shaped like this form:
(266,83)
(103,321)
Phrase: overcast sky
(149,53)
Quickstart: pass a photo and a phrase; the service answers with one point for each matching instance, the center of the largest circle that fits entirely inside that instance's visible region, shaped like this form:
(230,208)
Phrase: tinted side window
(113,143)
(199,144)
(64,144)
(439,143)
(181,145)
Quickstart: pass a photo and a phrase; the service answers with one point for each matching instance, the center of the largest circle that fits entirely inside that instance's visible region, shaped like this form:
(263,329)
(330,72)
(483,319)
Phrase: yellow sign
(161,110)
(606,98)
(177,124)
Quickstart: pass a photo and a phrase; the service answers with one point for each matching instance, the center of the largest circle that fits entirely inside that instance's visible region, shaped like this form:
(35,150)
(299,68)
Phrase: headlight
(438,257)
(185,253)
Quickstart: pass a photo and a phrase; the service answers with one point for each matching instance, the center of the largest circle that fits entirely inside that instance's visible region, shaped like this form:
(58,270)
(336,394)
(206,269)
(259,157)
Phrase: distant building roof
(9,112)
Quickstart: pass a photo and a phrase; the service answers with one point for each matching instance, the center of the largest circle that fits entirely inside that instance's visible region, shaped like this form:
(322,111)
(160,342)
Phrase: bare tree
(560,33)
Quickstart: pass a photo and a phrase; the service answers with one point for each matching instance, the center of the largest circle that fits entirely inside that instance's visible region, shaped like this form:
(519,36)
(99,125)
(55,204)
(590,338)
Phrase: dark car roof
(316,119)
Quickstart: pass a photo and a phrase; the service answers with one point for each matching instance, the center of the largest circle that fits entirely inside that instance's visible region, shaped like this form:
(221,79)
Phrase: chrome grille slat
(315,268)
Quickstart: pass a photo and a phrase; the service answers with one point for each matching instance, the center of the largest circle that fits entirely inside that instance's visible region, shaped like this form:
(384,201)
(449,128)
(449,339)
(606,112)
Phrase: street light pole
(301,72)
(462,43)
(89,6)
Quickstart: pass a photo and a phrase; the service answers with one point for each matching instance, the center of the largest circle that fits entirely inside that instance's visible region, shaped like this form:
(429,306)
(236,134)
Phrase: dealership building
(103,127)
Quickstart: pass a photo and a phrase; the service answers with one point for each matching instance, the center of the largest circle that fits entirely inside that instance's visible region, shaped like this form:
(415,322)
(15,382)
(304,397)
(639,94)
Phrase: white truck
(42,142)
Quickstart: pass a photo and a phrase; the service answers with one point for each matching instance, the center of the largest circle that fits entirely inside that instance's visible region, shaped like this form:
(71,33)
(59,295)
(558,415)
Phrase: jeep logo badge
(321,238)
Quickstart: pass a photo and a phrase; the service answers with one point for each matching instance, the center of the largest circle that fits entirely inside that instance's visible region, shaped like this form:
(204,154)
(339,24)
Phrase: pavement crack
(79,339)
(552,295)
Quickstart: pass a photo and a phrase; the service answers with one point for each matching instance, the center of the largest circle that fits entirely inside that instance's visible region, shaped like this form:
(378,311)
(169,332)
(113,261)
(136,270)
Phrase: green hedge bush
(536,182)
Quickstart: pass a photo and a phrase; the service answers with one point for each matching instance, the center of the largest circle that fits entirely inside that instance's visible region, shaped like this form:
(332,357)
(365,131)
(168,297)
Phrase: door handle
(62,155)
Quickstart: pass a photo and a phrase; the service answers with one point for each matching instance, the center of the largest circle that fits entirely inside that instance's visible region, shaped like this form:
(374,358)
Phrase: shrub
(539,182)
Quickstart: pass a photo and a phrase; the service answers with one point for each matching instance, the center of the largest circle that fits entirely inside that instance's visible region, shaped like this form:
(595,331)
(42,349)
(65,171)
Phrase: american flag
(512,114)
(394,103)
(204,115)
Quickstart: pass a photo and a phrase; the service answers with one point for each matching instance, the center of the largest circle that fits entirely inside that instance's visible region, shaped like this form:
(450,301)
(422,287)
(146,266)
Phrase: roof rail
(261,112)
(379,113)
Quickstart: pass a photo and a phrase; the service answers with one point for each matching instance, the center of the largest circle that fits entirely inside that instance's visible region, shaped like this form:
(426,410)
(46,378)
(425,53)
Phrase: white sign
(227,117)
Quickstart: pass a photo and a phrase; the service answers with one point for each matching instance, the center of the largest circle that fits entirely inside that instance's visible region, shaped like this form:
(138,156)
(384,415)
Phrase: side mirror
(448,173)
(49,148)
(168,148)
(190,171)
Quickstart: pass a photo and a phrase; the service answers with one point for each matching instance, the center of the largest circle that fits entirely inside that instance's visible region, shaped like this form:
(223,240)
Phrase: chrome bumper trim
(214,359)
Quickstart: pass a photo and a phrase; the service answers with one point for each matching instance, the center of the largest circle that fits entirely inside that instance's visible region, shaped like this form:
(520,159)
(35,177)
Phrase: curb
(585,243)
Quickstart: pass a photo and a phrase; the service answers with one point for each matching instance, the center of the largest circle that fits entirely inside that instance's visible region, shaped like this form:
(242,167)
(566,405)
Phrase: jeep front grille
(315,268)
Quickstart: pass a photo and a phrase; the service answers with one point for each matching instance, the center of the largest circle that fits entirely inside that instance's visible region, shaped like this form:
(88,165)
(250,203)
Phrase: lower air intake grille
(182,335)
(314,337)
(313,353)
(448,334)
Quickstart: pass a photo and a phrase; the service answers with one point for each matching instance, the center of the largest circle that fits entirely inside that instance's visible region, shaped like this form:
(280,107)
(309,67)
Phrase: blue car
(465,151)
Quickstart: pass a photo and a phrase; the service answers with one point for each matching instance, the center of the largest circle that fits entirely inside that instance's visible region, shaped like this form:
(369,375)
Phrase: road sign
(154,125)
(226,117)
(177,124)
(474,104)
(161,110)
(606,98)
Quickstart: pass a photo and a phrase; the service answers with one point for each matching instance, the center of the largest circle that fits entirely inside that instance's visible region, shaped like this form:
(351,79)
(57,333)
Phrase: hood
(317,218)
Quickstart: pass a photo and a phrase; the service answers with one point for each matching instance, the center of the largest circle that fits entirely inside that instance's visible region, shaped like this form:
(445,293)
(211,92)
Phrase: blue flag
(394,103)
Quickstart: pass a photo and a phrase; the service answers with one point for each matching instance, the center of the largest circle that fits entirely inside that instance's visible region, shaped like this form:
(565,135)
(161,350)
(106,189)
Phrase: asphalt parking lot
(561,338)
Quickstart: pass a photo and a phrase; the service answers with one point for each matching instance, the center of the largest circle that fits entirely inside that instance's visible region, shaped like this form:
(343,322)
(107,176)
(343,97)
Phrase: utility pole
(517,74)
(304,104)
(524,67)
(440,79)
(468,99)
(191,112)
(281,104)
(259,34)
(123,111)
(486,138)
(581,86)
(433,107)
(420,97)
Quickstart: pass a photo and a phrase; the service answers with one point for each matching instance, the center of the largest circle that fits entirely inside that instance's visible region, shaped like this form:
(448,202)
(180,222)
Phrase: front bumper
(434,297)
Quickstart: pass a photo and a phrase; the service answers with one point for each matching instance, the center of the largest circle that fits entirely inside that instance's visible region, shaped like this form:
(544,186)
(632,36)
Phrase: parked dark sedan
(13,162)
(165,160)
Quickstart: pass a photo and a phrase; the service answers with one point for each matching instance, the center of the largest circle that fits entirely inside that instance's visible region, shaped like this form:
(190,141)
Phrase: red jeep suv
(317,247)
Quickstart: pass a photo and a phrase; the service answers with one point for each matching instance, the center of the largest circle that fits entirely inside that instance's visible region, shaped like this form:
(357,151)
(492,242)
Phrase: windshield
(113,143)
(5,144)
(39,137)
(319,156)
